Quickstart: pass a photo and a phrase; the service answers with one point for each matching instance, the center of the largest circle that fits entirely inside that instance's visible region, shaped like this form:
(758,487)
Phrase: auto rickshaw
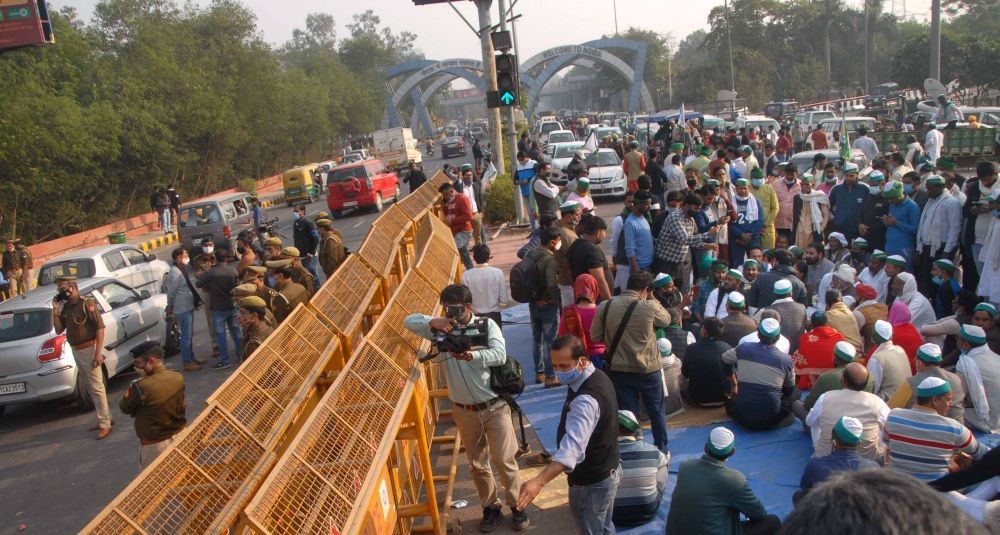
(300,185)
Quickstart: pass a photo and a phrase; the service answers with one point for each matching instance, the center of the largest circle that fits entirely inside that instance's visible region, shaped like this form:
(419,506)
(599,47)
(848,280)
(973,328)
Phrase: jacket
(762,292)
(545,264)
(709,498)
(305,236)
(636,351)
(179,296)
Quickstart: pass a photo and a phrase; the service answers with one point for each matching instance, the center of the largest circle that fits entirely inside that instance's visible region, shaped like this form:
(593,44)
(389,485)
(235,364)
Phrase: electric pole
(489,68)
(511,134)
(935,41)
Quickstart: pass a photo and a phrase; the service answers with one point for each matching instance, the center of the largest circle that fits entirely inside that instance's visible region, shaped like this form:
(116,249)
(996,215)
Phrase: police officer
(10,264)
(294,294)
(331,247)
(255,275)
(155,401)
(27,263)
(84,327)
(255,329)
(272,248)
(301,275)
(249,290)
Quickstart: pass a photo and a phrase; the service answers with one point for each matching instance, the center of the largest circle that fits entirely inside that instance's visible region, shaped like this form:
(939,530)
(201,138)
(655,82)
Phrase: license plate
(13,388)
(350,203)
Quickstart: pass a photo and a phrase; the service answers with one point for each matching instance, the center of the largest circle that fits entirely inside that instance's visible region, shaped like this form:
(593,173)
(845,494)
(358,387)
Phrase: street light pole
(615,4)
(935,41)
(511,127)
(732,70)
(490,74)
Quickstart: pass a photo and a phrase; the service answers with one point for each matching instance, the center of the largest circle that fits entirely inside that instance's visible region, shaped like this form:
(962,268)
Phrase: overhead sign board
(24,23)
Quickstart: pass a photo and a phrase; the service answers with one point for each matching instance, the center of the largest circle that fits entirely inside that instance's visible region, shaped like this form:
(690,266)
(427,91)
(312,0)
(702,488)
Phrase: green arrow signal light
(507,98)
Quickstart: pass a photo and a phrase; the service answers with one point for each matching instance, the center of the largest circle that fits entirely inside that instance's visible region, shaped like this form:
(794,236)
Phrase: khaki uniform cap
(273,240)
(290,251)
(252,302)
(324,223)
(278,263)
(244,290)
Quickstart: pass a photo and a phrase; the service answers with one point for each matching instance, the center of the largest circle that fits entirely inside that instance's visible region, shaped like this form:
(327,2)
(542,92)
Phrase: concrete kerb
(152,244)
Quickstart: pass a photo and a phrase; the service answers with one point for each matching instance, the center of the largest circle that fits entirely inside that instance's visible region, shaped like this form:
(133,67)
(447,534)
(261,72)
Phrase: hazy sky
(441,34)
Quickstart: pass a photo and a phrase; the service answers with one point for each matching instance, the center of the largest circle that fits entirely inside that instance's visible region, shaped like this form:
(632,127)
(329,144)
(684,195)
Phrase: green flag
(845,142)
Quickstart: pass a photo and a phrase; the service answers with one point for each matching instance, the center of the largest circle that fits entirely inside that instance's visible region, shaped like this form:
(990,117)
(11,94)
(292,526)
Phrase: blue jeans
(221,320)
(629,386)
(310,264)
(591,505)
(544,326)
(185,321)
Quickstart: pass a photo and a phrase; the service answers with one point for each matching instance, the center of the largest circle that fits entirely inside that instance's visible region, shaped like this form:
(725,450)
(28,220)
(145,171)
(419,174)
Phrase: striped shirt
(921,443)
(644,475)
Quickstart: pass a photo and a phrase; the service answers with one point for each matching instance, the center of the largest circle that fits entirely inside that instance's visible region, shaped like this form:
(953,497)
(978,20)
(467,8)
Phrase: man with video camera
(468,347)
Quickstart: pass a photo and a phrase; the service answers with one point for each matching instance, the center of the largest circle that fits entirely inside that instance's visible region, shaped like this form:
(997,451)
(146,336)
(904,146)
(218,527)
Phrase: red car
(361,184)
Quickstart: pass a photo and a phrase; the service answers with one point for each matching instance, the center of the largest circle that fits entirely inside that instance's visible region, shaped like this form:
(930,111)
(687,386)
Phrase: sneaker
(192,367)
(539,378)
(222,366)
(491,519)
(520,518)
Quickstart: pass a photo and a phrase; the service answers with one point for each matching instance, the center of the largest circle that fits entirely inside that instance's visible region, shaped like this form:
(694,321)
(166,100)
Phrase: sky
(441,34)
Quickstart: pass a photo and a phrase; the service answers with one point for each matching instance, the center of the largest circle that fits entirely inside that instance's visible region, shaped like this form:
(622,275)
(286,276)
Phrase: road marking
(359,223)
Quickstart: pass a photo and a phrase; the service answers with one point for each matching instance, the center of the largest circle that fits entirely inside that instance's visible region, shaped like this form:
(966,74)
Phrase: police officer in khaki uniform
(301,274)
(155,401)
(27,264)
(81,319)
(10,264)
(249,290)
(293,292)
(255,329)
(255,275)
(331,247)
(272,248)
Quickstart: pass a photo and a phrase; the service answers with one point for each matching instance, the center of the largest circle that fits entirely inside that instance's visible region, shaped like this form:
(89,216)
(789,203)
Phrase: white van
(756,121)
(834,125)
(810,119)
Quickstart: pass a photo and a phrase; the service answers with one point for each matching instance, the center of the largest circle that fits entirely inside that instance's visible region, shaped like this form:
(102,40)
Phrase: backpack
(507,379)
(525,281)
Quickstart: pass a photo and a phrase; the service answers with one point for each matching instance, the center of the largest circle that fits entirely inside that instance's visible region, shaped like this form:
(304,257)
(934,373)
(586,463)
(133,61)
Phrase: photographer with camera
(469,346)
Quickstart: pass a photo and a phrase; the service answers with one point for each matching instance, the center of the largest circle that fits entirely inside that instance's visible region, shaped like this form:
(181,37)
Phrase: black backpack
(507,379)
(525,281)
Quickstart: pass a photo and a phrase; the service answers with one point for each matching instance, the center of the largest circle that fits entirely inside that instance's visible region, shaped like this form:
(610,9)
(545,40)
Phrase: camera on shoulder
(464,338)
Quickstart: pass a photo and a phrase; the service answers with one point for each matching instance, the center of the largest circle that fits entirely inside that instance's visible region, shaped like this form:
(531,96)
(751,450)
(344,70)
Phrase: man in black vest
(587,440)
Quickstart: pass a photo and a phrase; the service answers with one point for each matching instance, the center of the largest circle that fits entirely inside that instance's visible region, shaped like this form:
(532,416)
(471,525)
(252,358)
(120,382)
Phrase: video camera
(463,338)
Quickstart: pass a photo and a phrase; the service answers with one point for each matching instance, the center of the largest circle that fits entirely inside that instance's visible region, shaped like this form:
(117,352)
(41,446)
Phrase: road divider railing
(205,479)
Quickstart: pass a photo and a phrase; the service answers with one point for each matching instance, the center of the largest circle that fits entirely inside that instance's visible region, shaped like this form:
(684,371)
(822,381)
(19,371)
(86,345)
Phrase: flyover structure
(418,81)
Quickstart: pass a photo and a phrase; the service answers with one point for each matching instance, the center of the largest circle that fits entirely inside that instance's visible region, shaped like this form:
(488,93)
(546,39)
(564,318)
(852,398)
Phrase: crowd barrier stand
(204,481)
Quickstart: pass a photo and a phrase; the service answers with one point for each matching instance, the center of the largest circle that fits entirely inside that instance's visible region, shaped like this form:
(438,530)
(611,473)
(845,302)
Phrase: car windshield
(195,216)
(548,127)
(80,268)
(566,151)
(349,174)
(601,132)
(560,136)
(451,140)
(24,324)
(602,159)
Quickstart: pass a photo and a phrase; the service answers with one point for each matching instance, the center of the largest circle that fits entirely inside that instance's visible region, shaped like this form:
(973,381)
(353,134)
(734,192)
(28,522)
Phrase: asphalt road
(57,477)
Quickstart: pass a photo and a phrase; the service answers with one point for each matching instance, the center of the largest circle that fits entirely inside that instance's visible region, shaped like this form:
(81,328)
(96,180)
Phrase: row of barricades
(331,420)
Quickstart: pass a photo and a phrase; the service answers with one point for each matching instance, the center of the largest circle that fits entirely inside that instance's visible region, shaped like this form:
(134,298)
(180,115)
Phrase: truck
(396,148)
(962,142)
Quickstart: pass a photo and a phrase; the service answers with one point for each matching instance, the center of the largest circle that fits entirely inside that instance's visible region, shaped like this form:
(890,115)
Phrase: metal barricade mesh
(392,222)
(438,261)
(379,249)
(346,297)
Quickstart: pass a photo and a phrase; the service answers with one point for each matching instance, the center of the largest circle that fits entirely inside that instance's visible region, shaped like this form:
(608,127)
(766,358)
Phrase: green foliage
(499,200)
(248,185)
(154,93)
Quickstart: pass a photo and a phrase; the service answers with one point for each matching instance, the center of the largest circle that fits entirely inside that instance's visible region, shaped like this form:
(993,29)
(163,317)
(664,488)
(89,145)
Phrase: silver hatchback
(36,364)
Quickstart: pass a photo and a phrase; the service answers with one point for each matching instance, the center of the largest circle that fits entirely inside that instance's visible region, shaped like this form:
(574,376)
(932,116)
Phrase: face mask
(907,188)
(568,377)
(937,280)
(874,188)
(208,250)
(241,250)
(790,181)
(271,281)
(558,245)
(184,261)
(296,216)
(757,182)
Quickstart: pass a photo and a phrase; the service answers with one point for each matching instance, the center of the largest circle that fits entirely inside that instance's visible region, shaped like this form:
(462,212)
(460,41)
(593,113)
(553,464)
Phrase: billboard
(24,23)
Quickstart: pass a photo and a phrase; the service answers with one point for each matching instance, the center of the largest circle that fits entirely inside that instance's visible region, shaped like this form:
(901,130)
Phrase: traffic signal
(507,84)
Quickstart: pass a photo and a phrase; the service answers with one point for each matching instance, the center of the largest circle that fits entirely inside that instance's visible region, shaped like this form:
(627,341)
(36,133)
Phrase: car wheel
(82,395)
(3,408)
(396,195)
(172,346)
(378,202)
(337,214)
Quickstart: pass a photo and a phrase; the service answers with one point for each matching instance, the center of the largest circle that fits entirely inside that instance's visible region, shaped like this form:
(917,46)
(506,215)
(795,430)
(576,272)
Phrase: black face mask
(241,250)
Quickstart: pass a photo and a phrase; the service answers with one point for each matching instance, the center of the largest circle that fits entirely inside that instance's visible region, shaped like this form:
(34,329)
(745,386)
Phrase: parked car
(453,146)
(756,121)
(360,185)
(125,263)
(218,218)
(811,119)
(36,364)
(604,170)
(803,161)
(560,136)
(362,153)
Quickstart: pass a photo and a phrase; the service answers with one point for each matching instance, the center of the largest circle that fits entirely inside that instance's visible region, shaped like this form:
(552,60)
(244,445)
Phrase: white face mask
(208,250)
(558,245)
(184,261)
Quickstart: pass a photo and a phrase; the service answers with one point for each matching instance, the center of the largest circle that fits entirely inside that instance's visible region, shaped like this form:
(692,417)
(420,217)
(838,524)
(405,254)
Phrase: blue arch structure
(534,74)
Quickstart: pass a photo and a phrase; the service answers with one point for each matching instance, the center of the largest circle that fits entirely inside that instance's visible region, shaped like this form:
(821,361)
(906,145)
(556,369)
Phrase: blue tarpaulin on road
(773,461)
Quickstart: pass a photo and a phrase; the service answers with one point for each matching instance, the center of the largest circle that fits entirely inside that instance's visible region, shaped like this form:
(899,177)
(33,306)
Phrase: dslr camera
(463,338)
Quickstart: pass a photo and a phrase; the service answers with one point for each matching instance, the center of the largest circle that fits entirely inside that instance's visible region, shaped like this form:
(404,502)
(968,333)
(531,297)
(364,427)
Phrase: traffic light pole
(519,215)
(489,68)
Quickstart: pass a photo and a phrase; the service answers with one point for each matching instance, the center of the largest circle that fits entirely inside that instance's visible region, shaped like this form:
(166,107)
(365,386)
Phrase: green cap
(935,180)
(851,167)
(929,353)
(933,386)
(736,274)
(741,182)
(745,149)
(703,150)
(713,182)
(945,264)
(844,351)
(945,163)
(878,254)
(973,333)
(882,331)
(987,308)
(796,250)
(569,207)
(662,280)
(756,172)
(750,262)
(895,260)
(769,327)
(876,176)
(782,287)
(719,265)
(860,243)
(808,177)
(721,442)
(848,430)
(677,146)
(628,420)
(893,191)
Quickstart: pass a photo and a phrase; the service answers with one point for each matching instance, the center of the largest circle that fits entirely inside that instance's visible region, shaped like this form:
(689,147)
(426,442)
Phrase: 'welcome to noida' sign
(24,23)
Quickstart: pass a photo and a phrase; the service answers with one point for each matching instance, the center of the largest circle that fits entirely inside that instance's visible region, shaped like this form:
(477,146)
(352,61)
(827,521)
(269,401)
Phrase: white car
(560,136)
(559,156)
(545,128)
(756,121)
(604,169)
(36,364)
(834,125)
(124,262)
